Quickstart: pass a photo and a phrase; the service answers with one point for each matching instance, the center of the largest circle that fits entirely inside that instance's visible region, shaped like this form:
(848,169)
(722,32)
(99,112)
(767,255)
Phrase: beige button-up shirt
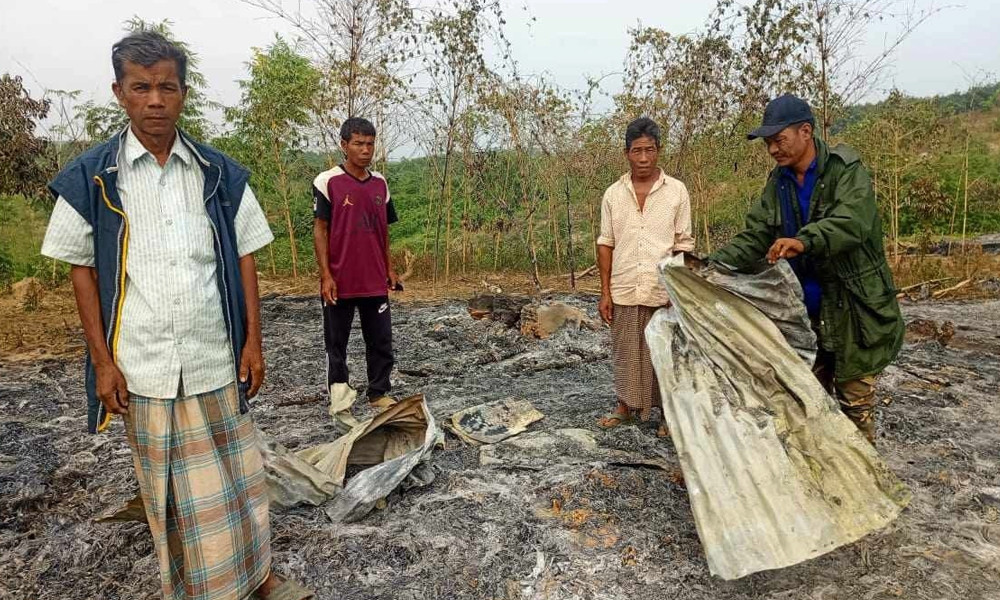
(172,321)
(642,238)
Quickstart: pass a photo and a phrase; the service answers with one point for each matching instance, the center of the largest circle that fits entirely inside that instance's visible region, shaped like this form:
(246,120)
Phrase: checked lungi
(202,482)
(635,380)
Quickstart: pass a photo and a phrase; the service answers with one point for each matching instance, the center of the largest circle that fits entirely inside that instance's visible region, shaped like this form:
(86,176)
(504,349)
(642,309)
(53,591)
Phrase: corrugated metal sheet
(776,474)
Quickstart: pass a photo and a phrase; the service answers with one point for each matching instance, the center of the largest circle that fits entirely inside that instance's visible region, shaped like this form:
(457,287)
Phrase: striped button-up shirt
(172,321)
(641,238)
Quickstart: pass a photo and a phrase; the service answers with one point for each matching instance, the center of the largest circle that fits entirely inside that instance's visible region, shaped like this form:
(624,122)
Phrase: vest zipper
(113,334)
(225,287)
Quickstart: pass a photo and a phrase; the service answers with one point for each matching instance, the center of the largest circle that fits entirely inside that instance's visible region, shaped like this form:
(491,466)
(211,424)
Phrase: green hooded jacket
(860,321)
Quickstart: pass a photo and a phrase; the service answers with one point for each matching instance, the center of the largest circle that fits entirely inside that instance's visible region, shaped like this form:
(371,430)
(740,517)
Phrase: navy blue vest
(89,185)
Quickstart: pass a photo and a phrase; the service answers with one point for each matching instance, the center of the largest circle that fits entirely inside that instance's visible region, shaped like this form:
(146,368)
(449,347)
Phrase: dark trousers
(376,328)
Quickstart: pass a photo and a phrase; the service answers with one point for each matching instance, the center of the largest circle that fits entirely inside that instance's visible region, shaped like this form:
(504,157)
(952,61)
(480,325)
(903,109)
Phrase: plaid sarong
(635,380)
(201,478)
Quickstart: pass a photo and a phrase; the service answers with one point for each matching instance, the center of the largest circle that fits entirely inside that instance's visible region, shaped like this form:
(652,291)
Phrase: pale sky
(65,44)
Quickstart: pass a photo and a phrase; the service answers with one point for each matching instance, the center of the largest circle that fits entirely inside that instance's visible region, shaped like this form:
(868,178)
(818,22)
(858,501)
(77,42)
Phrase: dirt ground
(50,327)
(560,523)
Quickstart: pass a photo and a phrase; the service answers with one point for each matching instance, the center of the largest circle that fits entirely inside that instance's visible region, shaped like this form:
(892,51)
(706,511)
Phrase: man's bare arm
(393,276)
(252,357)
(604,260)
(111,386)
(321,245)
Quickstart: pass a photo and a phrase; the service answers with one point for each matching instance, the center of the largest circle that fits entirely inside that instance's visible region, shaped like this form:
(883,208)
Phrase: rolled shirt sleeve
(607,236)
(69,237)
(252,230)
(683,238)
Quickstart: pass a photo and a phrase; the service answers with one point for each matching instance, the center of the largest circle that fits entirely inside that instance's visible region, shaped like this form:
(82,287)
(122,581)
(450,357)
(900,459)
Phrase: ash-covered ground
(560,518)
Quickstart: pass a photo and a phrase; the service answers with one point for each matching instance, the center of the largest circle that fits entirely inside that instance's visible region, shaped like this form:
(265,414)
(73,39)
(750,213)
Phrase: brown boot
(857,400)
(865,422)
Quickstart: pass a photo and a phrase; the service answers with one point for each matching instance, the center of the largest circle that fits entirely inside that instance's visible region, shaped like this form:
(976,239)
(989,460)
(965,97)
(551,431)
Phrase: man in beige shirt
(645,217)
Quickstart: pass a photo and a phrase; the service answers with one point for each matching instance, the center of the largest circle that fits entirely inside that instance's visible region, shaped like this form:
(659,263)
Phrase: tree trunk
(954,212)
(447,239)
(532,254)
(569,238)
(895,201)
(824,54)
(353,60)
(965,205)
(554,231)
(429,223)
(699,190)
(283,189)
(496,250)
(382,162)
(445,188)
(291,236)
(265,206)
(593,228)
(465,223)
(443,196)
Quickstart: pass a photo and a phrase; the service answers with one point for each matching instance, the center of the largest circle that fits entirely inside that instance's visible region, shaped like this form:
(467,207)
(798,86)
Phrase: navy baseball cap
(780,113)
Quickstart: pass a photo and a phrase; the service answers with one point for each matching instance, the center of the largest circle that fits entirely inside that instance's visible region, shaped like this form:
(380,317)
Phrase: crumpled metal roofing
(776,474)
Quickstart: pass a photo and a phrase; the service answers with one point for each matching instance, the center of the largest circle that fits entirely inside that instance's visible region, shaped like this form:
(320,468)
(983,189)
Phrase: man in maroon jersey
(352,213)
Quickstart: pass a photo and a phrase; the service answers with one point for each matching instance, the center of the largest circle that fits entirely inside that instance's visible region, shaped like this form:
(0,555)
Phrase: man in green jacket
(819,211)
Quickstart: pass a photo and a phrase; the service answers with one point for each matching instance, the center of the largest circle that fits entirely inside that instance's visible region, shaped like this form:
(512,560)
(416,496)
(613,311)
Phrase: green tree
(455,36)
(836,30)
(22,165)
(360,48)
(271,119)
(896,141)
(67,133)
(101,121)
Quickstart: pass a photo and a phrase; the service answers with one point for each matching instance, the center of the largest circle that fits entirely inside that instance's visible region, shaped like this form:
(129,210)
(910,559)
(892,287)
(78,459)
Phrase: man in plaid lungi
(645,217)
(161,231)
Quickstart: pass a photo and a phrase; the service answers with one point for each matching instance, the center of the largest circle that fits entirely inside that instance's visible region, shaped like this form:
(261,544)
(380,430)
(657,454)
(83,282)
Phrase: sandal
(289,590)
(618,419)
(382,403)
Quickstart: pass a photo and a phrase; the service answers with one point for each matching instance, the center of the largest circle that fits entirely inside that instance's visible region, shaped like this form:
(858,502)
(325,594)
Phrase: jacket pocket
(874,308)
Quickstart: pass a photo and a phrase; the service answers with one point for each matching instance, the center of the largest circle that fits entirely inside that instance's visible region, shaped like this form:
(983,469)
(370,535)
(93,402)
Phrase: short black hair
(147,48)
(356,125)
(642,127)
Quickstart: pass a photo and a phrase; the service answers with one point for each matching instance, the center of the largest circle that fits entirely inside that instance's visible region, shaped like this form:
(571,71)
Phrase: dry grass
(48,327)
(420,288)
(943,272)
(52,328)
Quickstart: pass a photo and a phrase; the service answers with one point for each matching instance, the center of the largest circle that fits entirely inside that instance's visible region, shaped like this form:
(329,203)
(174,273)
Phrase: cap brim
(765,131)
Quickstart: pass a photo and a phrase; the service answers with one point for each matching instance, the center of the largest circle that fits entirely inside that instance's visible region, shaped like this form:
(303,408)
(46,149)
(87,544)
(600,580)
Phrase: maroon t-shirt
(359,213)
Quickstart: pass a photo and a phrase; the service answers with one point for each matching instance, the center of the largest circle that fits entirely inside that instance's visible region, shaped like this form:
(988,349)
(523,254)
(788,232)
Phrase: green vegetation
(513,168)
(22,226)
